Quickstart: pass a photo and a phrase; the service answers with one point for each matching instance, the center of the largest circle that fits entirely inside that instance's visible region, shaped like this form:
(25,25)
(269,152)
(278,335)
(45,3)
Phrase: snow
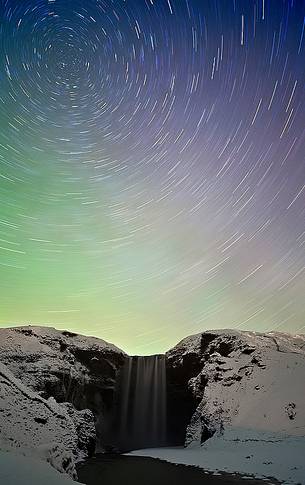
(33,426)
(40,369)
(16,469)
(243,451)
(42,356)
(245,380)
(251,395)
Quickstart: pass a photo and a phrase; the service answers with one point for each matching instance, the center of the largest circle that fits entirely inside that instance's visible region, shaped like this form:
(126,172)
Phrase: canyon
(64,397)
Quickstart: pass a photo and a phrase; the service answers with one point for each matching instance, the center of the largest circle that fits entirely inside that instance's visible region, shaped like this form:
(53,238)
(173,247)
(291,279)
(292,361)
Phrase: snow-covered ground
(245,452)
(16,469)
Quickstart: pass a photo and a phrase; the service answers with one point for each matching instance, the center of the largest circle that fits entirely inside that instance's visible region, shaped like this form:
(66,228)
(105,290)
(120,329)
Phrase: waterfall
(141,411)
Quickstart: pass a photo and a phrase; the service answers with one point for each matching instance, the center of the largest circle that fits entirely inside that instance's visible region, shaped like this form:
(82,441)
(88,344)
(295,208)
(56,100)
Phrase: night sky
(152,167)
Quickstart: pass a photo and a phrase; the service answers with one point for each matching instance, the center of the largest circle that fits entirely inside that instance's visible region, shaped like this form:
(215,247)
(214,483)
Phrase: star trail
(152,167)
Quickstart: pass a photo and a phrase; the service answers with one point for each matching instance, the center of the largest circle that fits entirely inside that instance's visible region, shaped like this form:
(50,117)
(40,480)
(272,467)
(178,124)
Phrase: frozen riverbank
(251,453)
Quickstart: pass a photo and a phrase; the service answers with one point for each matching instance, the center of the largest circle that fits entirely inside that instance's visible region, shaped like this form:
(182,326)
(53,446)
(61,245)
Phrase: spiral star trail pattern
(152,173)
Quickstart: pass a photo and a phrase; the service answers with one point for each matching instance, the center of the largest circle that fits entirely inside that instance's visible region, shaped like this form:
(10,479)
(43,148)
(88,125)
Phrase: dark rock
(41,420)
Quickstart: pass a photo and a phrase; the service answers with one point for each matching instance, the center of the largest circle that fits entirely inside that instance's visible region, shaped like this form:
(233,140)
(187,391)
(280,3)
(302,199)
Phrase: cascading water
(141,411)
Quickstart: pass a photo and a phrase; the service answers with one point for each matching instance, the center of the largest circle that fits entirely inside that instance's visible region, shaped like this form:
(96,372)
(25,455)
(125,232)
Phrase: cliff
(242,380)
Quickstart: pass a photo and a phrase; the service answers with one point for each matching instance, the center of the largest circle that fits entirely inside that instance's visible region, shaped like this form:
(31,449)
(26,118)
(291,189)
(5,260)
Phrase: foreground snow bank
(20,470)
(243,451)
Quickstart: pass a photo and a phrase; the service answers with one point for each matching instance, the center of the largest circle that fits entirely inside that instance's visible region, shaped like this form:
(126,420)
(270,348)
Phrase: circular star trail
(152,167)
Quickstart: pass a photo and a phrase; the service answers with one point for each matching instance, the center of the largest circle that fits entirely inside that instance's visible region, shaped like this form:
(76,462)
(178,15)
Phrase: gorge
(86,395)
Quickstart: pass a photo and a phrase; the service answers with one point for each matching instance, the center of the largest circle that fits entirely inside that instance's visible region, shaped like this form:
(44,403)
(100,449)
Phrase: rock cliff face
(238,379)
(67,367)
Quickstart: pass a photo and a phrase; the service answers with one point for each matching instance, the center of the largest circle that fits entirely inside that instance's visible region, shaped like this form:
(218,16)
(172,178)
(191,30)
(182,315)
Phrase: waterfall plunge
(141,409)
